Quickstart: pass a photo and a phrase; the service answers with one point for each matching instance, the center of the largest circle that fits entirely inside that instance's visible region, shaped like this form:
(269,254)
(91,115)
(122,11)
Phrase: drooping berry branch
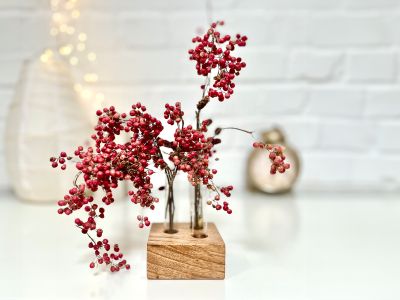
(136,161)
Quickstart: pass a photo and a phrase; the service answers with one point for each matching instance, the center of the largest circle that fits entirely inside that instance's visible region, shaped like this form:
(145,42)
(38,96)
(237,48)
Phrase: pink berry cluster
(173,113)
(143,220)
(209,55)
(216,205)
(61,159)
(110,260)
(75,200)
(108,163)
(276,156)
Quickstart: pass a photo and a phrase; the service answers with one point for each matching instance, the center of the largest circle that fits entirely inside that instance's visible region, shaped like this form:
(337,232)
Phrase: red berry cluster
(75,200)
(204,125)
(61,159)
(216,205)
(210,56)
(143,220)
(173,113)
(148,201)
(115,162)
(108,163)
(276,156)
(111,259)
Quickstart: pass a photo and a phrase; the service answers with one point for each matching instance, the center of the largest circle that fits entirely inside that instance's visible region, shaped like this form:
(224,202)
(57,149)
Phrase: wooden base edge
(181,256)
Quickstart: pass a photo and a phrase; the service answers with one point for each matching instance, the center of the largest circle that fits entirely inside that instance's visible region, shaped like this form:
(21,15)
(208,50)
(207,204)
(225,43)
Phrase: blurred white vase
(45,118)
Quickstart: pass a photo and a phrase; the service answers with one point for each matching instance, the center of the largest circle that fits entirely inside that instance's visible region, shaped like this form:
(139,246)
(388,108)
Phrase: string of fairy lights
(72,47)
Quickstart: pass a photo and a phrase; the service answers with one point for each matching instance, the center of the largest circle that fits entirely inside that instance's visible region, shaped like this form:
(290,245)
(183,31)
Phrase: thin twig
(249,132)
(76,178)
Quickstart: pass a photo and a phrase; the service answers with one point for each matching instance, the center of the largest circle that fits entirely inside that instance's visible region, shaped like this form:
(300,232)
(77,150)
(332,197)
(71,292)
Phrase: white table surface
(299,246)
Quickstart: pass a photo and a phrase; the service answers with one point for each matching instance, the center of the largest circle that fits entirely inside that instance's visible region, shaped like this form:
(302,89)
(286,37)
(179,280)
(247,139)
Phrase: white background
(326,71)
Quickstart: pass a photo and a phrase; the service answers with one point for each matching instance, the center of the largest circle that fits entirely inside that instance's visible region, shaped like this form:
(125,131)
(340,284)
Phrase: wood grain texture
(181,256)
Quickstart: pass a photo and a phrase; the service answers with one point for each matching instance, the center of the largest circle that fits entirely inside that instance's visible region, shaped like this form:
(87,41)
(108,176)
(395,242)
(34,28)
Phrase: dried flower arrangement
(135,161)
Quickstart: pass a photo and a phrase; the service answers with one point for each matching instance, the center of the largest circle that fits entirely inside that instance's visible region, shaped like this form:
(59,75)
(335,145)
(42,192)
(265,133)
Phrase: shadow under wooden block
(181,256)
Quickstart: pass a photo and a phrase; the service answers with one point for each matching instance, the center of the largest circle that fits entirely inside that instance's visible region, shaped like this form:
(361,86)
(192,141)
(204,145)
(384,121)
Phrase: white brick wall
(326,71)
(372,66)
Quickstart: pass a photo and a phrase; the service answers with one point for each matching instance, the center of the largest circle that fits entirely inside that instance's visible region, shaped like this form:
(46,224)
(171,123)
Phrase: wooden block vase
(181,256)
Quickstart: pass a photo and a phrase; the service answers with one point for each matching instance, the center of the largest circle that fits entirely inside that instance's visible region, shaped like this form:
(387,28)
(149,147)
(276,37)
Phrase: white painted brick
(388,137)
(371,4)
(301,134)
(347,135)
(24,32)
(258,27)
(183,27)
(279,101)
(264,102)
(35,35)
(315,65)
(362,168)
(10,31)
(320,167)
(261,28)
(383,102)
(395,21)
(143,29)
(341,30)
(371,66)
(18,4)
(156,5)
(138,66)
(263,65)
(338,101)
(287,29)
(218,5)
(290,4)
(343,171)
(38,4)
(142,56)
